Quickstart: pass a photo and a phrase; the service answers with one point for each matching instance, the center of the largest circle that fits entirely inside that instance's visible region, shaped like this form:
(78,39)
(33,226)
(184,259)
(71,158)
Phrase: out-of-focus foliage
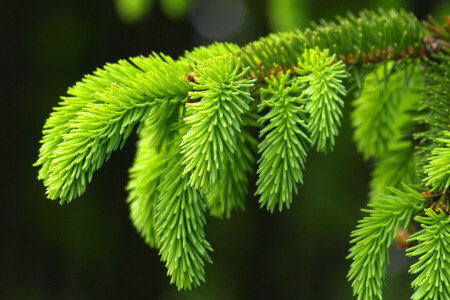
(175,9)
(286,15)
(133,11)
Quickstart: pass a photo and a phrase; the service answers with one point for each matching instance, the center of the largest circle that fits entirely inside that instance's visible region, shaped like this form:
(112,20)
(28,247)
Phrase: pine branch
(433,267)
(374,235)
(102,126)
(438,168)
(195,148)
(370,37)
(79,96)
(216,120)
(145,174)
(179,226)
(324,78)
(230,191)
(379,112)
(283,150)
(433,117)
(397,165)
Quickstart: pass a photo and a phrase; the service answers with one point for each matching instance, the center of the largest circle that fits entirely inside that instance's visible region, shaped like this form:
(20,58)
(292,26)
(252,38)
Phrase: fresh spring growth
(216,120)
(324,76)
(285,141)
(211,120)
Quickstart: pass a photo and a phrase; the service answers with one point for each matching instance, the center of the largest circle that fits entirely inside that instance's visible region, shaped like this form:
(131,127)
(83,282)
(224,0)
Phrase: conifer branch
(179,226)
(230,191)
(438,168)
(324,78)
(285,144)
(397,165)
(145,174)
(370,37)
(102,126)
(379,112)
(433,114)
(433,266)
(374,235)
(216,120)
(196,146)
(79,96)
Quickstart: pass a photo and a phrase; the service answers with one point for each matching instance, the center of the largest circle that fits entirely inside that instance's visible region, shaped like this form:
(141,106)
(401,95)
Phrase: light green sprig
(438,168)
(324,78)
(230,191)
(179,226)
(433,266)
(215,120)
(373,236)
(379,112)
(285,144)
(145,175)
(82,93)
(102,126)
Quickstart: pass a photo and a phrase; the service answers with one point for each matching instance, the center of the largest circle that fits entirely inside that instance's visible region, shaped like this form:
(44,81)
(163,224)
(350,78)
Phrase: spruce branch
(397,165)
(216,119)
(80,95)
(374,235)
(324,78)
(145,175)
(379,112)
(438,168)
(433,114)
(369,38)
(285,144)
(196,145)
(102,126)
(230,191)
(433,266)
(179,226)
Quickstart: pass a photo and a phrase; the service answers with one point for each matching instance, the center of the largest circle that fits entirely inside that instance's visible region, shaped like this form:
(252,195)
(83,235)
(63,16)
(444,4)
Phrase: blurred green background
(89,249)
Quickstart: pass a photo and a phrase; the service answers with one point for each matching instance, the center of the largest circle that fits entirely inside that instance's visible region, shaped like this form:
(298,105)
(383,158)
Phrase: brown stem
(432,45)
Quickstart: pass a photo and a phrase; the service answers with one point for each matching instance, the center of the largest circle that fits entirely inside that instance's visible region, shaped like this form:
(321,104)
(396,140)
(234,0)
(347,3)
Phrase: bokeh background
(89,249)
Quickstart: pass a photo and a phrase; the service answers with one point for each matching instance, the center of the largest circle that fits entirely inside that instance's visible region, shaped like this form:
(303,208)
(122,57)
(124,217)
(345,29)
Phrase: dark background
(89,249)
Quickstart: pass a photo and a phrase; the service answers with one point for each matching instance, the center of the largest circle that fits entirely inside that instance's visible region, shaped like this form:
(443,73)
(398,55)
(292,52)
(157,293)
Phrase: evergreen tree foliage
(374,235)
(198,119)
(145,175)
(434,107)
(396,166)
(438,168)
(229,193)
(324,78)
(98,123)
(216,120)
(283,149)
(433,249)
(79,96)
(179,226)
(378,114)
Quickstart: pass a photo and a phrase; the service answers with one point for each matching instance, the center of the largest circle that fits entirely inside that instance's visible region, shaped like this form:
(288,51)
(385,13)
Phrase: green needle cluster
(220,114)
